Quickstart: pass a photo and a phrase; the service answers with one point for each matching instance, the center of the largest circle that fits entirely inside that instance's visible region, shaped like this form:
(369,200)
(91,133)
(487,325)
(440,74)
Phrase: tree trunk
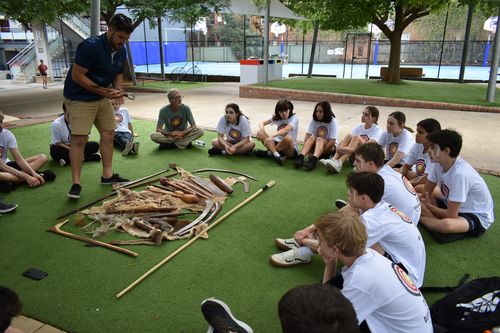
(392,75)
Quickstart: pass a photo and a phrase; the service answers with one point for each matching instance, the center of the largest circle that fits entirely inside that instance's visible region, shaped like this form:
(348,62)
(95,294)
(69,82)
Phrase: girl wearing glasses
(234,133)
(283,143)
(367,130)
(320,136)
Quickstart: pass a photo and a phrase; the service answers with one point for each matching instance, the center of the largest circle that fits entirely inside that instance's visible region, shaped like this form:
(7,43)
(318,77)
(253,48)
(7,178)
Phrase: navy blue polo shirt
(103,66)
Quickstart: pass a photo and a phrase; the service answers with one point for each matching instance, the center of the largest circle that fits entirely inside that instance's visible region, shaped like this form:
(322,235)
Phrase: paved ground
(33,104)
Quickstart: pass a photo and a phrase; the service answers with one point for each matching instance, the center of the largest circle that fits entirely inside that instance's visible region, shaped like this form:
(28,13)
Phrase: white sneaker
(337,166)
(288,258)
(286,244)
(62,162)
(329,164)
(128,148)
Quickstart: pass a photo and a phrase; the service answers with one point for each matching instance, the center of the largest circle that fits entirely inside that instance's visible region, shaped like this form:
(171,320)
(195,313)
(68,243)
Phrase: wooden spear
(192,240)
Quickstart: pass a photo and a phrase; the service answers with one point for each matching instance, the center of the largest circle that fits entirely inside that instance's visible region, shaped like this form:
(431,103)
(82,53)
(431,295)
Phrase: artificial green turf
(166,85)
(473,94)
(78,295)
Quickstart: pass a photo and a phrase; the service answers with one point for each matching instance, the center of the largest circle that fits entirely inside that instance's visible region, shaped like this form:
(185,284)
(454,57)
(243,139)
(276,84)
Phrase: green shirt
(175,120)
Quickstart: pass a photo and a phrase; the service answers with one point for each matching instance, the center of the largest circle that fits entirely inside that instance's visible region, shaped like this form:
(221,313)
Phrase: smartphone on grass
(35,274)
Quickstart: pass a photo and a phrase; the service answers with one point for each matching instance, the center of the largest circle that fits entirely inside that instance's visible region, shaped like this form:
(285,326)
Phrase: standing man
(172,129)
(42,69)
(96,78)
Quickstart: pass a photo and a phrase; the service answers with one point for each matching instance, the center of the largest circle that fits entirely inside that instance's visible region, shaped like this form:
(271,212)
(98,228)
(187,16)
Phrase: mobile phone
(35,274)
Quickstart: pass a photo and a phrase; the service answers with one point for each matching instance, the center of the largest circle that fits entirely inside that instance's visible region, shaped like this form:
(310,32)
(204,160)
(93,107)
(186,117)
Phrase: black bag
(469,307)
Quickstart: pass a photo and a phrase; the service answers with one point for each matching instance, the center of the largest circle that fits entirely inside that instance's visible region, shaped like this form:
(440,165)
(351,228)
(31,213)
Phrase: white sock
(304,251)
(276,154)
(223,152)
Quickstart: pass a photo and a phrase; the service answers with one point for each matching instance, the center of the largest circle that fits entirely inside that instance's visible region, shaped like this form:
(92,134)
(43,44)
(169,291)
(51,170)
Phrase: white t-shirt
(398,236)
(7,141)
(403,143)
(292,121)
(372,133)
(416,157)
(60,132)
(464,184)
(234,133)
(385,296)
(323,130)
(399,192)
(122,120)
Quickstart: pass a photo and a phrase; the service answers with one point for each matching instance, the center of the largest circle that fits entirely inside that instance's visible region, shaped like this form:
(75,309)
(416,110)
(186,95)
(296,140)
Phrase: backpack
(469,307)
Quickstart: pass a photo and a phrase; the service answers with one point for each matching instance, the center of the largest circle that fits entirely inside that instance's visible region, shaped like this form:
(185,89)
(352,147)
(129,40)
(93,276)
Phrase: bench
(410,72)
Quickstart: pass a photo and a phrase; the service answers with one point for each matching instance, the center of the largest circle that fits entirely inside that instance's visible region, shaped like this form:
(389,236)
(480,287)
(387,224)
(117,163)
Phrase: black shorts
(13,164)
(476,229)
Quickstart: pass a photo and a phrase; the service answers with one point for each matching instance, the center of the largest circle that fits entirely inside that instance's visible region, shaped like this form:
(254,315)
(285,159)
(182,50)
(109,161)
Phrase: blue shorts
(476,229)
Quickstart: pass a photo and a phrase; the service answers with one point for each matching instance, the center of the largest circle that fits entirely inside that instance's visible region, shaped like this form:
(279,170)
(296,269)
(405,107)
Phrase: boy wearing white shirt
(468,205)
(383,295)
(124,132)
(390,231)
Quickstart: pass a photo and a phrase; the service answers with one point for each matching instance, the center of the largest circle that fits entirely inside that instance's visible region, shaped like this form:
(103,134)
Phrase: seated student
(418,155)
(61,141)
(124,132)
(384,297)
(172,127)
(314,308)
(284,140)
(397,140)
(466,205)
(367,130)
(10,306)
(320,136)
(390,231)
(20,170)
(234,133)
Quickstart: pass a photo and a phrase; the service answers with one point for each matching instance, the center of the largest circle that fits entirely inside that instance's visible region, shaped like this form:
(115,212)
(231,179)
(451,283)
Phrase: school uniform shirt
(385,296)
(234,133)
(403,143)
(372,133)
(398,236)
(7,141)
(328,131)
(461,183)
(175,121)
(399,192)
(60,132)
(292,121)
(122,118)
(418,158)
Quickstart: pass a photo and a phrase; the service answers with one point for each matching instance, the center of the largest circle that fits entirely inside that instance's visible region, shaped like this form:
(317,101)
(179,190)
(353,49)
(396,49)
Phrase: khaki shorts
(82,115)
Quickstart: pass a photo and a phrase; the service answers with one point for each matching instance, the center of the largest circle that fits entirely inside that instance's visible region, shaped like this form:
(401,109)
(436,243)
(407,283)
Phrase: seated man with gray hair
(172,127)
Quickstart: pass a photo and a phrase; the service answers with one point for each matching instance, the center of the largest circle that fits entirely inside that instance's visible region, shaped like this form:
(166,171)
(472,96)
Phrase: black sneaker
(260,153)
(74,192)
(115,178)
(167,146)
(6,207)
(311,164)
(93,158)
(214,151)
(299,161)
(339,203)
(220,318)
(47,175)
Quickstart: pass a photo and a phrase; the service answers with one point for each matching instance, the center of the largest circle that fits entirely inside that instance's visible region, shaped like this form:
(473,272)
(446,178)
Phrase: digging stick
(137,181)
(57,229)
(192,240)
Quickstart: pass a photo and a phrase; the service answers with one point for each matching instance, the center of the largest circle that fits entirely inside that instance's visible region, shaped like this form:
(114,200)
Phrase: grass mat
(460,93)
(78,295)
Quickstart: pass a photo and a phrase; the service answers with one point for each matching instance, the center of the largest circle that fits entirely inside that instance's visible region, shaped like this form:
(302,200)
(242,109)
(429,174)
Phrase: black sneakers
(221,319)
(47,175)
(260,153)
(299,161)
(115,178)
(163,146)
(339,203)
(280,160)
(74,192)
(214,151)
(6,207)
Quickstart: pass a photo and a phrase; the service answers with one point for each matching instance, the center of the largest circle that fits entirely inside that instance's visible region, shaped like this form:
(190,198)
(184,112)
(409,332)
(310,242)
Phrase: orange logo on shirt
(322,132)
(118,118)
(234,134)
(408,185)
(445,190)
(420,167)
(393,148)
(176,122)
(364,137)
(405,280)
(400,214)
